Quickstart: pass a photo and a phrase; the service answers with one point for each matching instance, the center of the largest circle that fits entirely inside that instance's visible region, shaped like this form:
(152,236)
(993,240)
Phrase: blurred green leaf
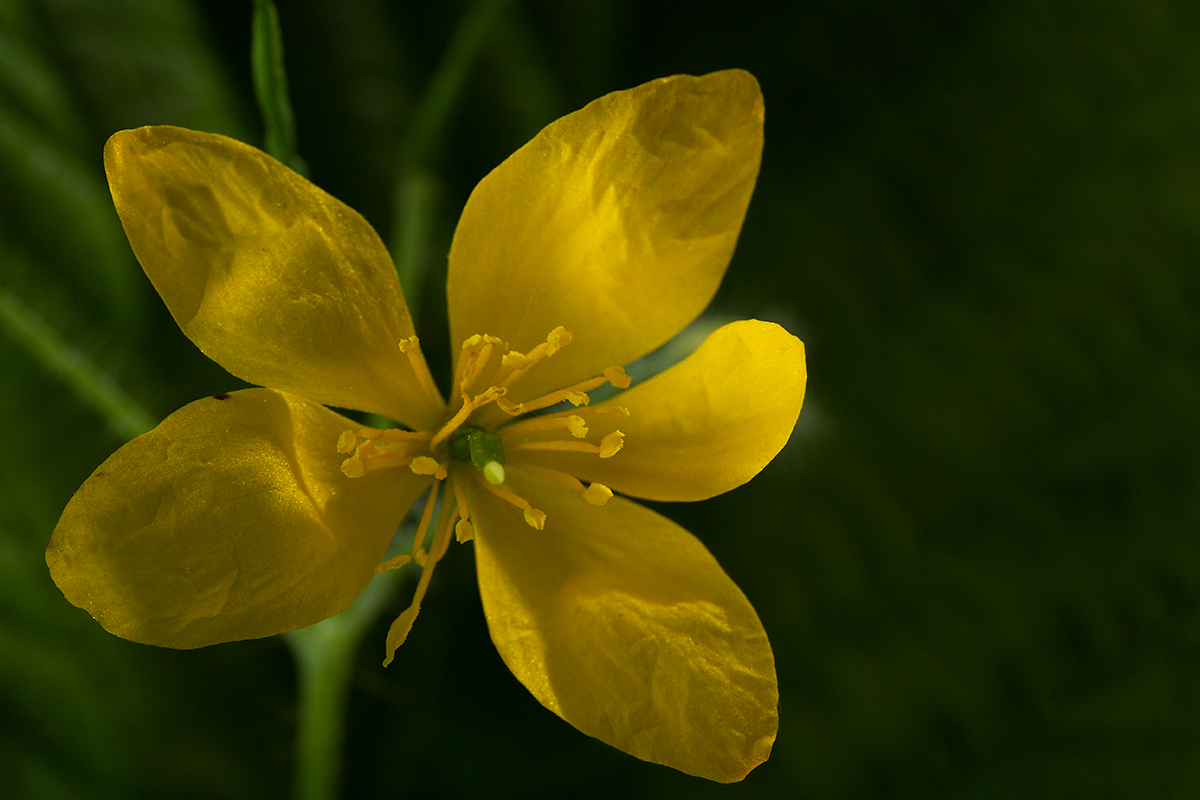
(271,87)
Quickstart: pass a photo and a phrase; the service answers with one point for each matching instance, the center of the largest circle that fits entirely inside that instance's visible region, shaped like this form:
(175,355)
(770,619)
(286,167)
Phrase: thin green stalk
(324,652)
(414,199)
(271,87)
(324,655)
(435,106)
(90,384)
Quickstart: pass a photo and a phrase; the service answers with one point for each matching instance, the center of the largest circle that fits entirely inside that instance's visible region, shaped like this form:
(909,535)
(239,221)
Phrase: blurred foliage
(978,559)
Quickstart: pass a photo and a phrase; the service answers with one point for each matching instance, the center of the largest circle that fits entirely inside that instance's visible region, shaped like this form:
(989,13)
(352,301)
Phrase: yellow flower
(260,511)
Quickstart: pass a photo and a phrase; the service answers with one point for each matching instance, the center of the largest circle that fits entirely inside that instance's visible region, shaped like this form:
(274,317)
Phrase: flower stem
(125,416)
(324,655)
(271,88)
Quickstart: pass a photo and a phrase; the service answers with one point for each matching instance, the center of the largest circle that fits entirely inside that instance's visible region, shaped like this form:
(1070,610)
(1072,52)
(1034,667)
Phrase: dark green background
(978,559)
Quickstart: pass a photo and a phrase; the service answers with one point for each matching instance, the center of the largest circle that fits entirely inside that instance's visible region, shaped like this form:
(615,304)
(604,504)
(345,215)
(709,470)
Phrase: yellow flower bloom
(261,511)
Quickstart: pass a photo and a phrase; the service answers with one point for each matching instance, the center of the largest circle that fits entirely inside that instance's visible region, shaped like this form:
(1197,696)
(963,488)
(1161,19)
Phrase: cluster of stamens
(441,451)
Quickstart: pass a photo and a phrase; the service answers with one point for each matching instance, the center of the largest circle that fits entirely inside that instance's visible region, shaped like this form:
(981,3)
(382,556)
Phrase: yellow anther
(617,377)
(513,368)
(534,517)
(489,395)
(395,562)
(559,338)
(610,445)
(424,465)
(576,426)
(577,398)
(347,442)
(473,361)
(464,531)
(353,467)
(509,407)
(516,360)
(597,494)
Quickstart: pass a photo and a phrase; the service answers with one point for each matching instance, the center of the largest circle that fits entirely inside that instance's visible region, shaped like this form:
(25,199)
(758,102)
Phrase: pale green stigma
(493,472)
(482,448)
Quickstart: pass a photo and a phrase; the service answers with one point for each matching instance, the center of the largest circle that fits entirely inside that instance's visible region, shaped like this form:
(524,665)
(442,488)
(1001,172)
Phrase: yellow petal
(703,427)
(623,624)
(616,222)
(230,520)
(275,280)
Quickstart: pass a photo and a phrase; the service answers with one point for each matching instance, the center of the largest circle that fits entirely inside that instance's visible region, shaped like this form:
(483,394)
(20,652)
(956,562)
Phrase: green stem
(435,106)
(324,652)
(271,88)
(324,655)
(94,387)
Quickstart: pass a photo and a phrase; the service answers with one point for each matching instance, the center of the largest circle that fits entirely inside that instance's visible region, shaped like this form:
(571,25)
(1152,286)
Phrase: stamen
(400,629)
(463,355)
(460,499)
(597,494)
(397,447)
(576,395)
(510,362)
(611,445)
(411,347)
(617,377)
(395,435)
(426,516)
(570,481)
(424,465)
(557,445)
(472,362)
(554,422)
(469,406)
(464,531)
(557,339)
(605,411)
(395,562)
(533,517)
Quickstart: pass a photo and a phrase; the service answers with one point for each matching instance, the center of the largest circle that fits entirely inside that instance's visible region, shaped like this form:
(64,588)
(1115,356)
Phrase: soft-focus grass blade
(32,88)
(59,206)
(91,385)
(271,87)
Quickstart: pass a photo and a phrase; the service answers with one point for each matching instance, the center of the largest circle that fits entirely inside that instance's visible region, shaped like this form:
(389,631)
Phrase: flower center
(481,427)
(481,439)
(482,448)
